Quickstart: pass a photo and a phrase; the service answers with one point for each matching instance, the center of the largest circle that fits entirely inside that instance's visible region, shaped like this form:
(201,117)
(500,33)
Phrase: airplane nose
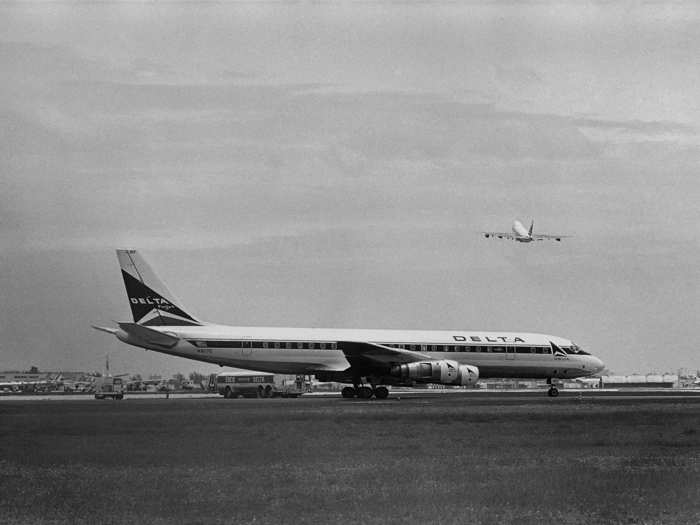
(597,365)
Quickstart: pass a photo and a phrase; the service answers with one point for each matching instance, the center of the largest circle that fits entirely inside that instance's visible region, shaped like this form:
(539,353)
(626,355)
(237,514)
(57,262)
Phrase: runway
(494,396)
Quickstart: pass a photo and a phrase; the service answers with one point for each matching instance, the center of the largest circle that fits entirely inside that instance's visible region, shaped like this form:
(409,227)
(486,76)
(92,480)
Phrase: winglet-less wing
(499,235)
(369,355)
(548,237)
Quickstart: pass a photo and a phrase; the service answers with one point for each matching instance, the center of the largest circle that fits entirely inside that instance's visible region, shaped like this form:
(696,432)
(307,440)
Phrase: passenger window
(323,346)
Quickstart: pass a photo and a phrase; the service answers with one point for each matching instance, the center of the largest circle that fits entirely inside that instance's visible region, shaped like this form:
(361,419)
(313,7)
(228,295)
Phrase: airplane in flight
(366,359)
(520,234)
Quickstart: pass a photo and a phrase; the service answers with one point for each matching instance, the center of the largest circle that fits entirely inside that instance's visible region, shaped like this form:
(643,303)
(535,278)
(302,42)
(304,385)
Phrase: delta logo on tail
(150,308)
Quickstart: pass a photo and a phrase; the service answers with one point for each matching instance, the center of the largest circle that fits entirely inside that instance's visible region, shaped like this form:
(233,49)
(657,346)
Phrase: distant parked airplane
(520,234)
(27,380)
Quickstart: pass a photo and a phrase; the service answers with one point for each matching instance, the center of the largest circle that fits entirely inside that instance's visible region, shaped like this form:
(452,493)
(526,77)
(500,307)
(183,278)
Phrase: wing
(548,237)
(499,235)
(370,356)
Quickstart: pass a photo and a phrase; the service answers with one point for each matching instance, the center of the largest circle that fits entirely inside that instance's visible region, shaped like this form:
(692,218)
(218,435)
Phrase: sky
(331,164)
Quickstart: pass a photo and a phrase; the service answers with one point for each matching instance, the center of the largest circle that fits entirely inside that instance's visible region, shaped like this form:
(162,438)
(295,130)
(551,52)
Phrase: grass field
(441,459)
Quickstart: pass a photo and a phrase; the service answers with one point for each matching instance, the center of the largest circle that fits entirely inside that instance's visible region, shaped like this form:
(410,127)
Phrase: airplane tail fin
(150,300)
(532,225)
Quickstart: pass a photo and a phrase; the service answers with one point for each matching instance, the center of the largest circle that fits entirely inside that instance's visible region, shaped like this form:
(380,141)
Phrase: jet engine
(445,371)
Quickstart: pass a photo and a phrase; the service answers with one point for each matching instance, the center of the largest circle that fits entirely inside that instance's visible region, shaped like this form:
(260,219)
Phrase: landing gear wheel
(268,391)
(261,392)
(364,392)
(553,392)
(381,392)
(348,392)
(227,393)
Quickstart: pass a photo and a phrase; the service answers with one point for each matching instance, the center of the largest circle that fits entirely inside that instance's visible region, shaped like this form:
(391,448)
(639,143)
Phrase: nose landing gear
(553,390)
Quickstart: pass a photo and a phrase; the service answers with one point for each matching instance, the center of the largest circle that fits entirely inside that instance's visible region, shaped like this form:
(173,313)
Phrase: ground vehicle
(256,384)
(109,387)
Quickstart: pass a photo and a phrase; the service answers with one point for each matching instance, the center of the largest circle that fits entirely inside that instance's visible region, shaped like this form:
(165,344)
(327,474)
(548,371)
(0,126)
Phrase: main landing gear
(365,392)
(553,390)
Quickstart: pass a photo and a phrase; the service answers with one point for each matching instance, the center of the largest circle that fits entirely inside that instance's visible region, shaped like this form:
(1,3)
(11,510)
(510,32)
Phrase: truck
(232,385)
(109,387)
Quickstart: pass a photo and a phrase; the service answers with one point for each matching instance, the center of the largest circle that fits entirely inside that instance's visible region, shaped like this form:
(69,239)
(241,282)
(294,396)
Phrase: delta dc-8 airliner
(366,359)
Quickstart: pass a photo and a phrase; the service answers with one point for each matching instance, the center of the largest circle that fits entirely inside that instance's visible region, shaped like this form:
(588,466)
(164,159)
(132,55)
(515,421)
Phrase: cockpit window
(575,349)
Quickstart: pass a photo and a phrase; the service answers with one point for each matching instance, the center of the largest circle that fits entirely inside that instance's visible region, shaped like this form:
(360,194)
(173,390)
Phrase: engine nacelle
(468,375)
(445,371)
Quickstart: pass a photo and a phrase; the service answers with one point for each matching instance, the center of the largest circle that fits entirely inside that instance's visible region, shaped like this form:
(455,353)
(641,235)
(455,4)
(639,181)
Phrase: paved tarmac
(493,396)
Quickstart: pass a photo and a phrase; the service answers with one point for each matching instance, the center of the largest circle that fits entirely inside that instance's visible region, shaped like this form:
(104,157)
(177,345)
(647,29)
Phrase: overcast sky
(331,164)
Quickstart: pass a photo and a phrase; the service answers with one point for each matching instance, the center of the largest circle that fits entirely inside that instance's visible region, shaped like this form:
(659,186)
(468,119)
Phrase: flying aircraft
(359,357)
(520,234)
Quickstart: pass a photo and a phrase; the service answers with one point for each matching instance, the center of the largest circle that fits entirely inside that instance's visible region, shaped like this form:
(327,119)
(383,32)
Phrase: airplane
(520,234)
(358,357)
(29,381)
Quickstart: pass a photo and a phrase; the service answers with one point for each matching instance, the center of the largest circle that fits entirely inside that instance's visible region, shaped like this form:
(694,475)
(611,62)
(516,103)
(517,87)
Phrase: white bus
(256,384)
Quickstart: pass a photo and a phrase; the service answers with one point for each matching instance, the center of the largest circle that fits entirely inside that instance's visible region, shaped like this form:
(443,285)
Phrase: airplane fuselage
(314,350)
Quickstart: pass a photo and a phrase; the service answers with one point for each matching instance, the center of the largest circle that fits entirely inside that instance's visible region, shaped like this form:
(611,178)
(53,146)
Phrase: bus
(232,385)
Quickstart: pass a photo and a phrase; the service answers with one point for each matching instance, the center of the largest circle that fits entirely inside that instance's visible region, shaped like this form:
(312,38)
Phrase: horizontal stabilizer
(105,329)
(148,335)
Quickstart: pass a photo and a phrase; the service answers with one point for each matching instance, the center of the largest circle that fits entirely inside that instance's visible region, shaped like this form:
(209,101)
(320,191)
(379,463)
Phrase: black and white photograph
(377,262)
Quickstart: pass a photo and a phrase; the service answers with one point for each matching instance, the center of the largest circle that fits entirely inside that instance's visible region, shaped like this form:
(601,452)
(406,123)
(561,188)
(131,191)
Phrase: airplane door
(510,352)
(246,348)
